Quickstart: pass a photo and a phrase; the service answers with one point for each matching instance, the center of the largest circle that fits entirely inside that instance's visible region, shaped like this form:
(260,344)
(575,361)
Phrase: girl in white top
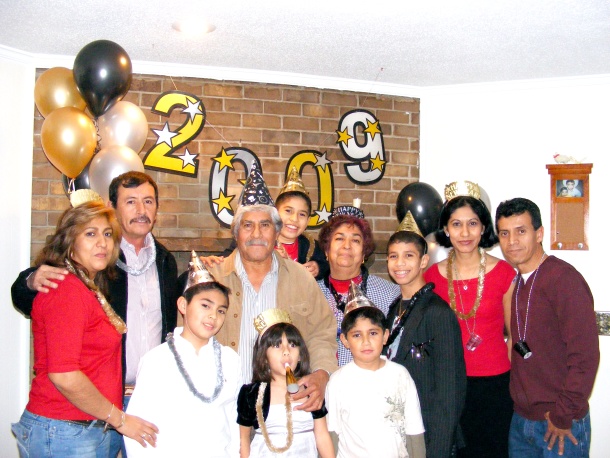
(265,404)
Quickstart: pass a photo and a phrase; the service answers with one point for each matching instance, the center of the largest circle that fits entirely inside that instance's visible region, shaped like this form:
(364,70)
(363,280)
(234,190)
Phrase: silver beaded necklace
(187,377)
(137,272)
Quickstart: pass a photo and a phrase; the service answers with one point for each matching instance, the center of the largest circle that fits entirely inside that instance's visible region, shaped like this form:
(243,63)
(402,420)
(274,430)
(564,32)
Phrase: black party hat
(349,210)
(255,190)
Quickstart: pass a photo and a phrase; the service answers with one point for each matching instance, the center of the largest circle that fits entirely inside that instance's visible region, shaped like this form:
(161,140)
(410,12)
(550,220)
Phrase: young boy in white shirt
(189,384)
(372,402)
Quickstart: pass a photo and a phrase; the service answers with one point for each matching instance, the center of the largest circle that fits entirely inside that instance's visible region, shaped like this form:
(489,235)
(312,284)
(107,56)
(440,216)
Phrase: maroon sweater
(562,335)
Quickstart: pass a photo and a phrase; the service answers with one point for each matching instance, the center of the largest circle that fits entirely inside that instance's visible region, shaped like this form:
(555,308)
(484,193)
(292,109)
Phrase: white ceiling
(417,43)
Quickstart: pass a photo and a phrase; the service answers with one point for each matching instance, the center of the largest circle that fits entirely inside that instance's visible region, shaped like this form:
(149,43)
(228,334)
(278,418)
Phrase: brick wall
(274,122)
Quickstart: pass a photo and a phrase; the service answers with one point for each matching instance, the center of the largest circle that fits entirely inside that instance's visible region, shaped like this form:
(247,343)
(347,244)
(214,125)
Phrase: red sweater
(72,333)
(562,335)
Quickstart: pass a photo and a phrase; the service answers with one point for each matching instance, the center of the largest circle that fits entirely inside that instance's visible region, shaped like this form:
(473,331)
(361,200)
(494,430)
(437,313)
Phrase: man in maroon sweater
(556,351)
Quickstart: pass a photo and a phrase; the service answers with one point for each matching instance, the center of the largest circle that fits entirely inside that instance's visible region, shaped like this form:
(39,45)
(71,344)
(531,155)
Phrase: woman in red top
(478,287)
(77,391)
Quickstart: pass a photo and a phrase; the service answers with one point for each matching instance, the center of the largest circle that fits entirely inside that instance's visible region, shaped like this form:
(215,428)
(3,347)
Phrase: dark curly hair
(488,237)
(270,338)
(328,230)
(518,206)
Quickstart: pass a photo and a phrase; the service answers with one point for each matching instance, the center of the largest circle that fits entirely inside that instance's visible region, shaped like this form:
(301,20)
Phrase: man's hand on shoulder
(315,389)
(45,278)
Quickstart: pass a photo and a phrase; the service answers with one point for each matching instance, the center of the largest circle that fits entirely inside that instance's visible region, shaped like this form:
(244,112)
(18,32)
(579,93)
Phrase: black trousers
(486,418)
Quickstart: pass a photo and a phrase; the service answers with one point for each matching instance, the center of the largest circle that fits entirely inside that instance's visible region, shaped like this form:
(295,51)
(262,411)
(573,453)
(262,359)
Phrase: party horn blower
(291,381)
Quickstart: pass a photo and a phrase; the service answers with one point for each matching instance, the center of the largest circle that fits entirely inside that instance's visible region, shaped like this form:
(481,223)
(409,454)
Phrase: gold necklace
(115,320)
(261,420)
(451,287)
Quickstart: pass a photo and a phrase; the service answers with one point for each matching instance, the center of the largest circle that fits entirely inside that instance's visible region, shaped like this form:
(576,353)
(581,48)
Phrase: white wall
(16,130)
(502,136)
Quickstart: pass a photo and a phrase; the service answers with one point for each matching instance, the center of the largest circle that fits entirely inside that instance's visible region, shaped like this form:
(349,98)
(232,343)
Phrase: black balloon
(102,72)
(424,203)
(80,182)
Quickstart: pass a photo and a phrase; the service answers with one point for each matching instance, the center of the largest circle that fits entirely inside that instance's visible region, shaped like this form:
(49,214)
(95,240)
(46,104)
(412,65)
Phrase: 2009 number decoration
(367,152)
(359,137)
(161,156)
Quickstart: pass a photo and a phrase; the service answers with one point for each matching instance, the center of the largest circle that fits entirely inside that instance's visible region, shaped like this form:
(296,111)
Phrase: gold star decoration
(225,160)
(372,128)
(223,202)
(343,136)
(377,163)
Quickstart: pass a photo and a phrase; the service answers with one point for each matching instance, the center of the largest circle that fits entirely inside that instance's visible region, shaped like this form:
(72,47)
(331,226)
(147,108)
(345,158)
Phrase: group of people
(471,357)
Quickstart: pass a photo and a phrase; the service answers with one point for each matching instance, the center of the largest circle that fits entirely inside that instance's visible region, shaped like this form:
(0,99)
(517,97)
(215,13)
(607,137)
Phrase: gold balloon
(56,88)
(68,139)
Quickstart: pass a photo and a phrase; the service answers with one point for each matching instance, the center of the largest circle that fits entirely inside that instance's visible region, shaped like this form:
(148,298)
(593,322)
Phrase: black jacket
(23,297)
(440,375)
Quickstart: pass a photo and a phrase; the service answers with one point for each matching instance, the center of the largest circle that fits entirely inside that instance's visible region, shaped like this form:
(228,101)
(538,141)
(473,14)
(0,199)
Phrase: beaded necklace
(529,297)
(115,320)
(261,421)
(451,287)
(187,377)
(137,272)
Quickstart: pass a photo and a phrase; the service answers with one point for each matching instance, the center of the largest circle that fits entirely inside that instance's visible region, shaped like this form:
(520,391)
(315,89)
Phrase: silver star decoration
(165,135)
(323,215)
(193,109)
(321,161)
(187,158)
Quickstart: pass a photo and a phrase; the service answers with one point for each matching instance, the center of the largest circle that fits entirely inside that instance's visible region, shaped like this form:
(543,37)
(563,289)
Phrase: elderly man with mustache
(145,292)
(260,279)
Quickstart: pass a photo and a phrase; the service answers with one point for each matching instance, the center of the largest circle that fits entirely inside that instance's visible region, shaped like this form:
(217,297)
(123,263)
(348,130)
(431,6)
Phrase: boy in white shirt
(189,384)
(372,402)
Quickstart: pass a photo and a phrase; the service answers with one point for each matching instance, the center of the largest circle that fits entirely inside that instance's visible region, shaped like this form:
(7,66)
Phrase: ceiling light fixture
(193,27)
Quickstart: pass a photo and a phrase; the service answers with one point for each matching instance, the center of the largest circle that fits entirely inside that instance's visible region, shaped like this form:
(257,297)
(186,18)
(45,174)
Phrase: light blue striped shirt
(253,303)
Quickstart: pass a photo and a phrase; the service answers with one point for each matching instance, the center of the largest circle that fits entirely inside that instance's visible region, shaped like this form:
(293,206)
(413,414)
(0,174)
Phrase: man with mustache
(145,292)
(260,279)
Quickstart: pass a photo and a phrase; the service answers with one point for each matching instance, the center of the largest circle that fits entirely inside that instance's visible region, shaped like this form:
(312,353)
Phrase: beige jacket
(299,294)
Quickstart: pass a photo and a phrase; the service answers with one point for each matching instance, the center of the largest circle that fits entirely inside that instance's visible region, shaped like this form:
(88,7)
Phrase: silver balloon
(109,163)
(436,252)
(124,124)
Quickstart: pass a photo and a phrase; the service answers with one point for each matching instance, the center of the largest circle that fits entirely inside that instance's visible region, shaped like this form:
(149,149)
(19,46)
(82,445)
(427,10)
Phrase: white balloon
(436,252)
(123,124)
(109,163)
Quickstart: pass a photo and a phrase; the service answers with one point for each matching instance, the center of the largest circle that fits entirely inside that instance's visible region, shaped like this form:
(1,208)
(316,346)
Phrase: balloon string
(207,120)
(99,137)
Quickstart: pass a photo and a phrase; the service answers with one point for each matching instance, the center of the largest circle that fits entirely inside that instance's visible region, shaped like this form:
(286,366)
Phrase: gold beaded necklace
(261,420)
(451,287)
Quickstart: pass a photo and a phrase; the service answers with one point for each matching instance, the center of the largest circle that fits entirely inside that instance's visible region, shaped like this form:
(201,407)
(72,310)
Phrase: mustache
(257,242)
(141,219)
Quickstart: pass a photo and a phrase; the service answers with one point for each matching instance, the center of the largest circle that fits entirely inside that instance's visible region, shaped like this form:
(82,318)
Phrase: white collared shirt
(144,321)
(253,304)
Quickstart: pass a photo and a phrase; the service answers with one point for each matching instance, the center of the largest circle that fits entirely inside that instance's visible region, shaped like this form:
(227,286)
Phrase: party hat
(270,317)
(356,298)
(462,188)
(294,183)
(84,195)
(349,210)
(197,272)
(255,190)
(408,223)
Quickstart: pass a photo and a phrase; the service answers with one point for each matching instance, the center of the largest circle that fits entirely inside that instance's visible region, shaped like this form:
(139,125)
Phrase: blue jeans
(526,439)
(117,444)
(39,436)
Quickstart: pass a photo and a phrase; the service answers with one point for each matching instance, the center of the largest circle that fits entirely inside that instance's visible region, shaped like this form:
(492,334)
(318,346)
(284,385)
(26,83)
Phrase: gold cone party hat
(294,183)
(462,188)
(356,298)
(408,223)
(197,272)
(270,317)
